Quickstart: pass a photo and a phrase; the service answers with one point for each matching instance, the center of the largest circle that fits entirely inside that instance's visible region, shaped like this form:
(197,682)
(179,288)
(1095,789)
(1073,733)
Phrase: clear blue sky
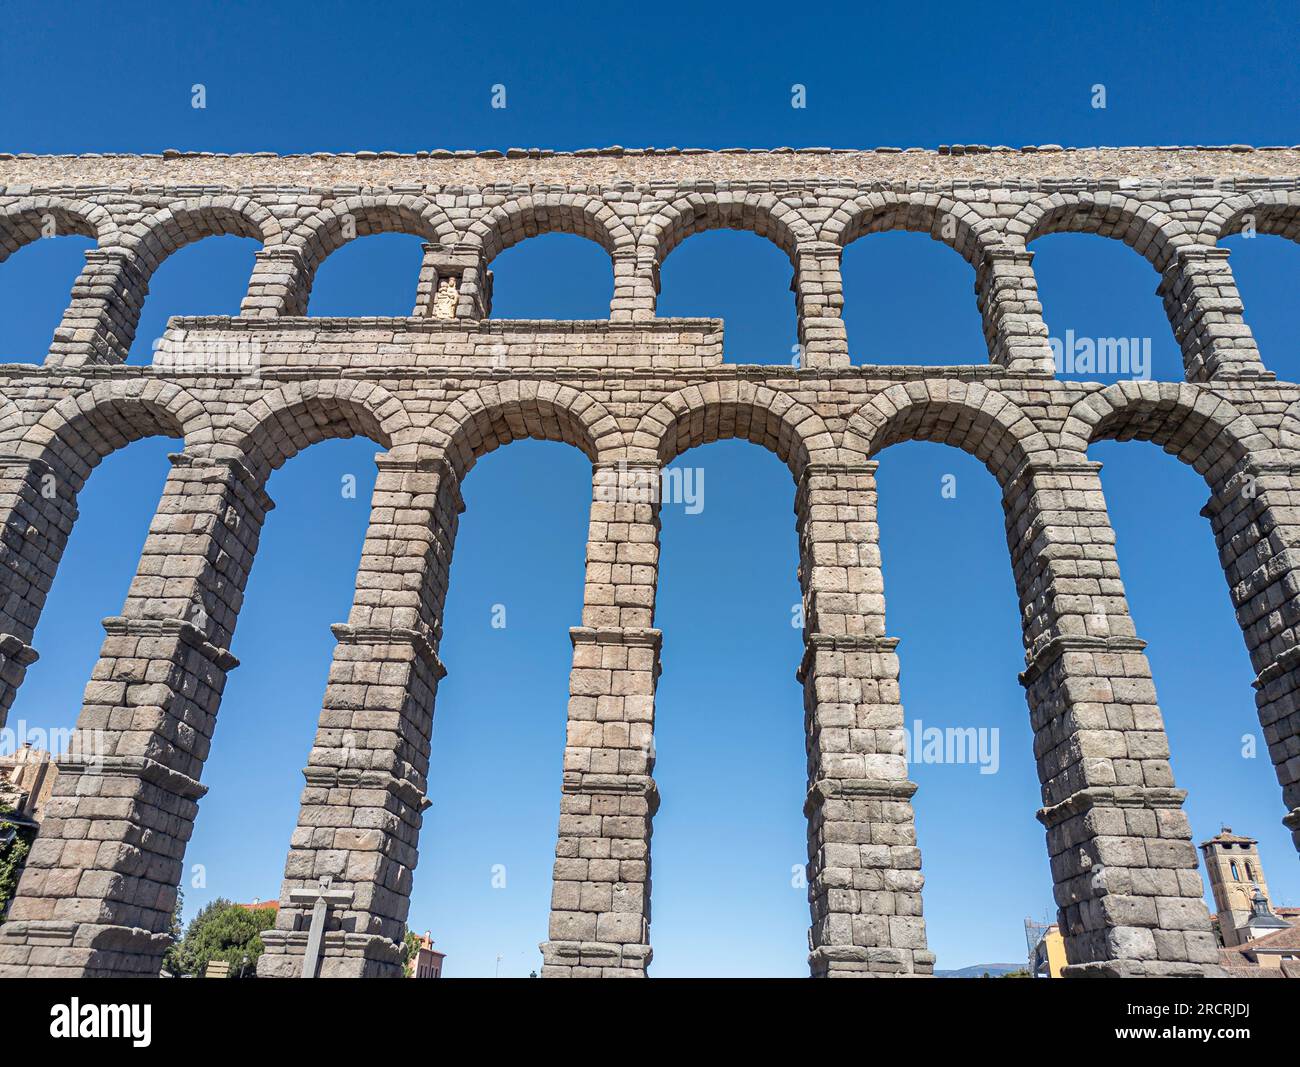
(729,739)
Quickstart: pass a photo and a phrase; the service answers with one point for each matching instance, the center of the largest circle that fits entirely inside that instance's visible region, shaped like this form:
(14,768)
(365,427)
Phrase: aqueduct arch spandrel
(439,388)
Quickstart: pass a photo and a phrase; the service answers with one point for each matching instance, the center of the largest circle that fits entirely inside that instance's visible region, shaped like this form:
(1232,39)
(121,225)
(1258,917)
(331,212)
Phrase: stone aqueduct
(442,387)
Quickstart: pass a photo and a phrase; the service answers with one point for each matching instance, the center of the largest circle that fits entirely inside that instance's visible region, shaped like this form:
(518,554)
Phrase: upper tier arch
(1273,211)
(533,216)
(761,213)
(1143,226)
(946,220)
(155,237)
(32,218)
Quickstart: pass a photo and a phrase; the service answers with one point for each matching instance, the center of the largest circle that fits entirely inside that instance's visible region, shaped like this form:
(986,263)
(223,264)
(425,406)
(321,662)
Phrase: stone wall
(439,389)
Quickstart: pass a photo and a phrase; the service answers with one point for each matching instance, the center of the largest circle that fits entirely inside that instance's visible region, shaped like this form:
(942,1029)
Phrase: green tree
(12,857)
(410,946)
(171,961)
(223,931)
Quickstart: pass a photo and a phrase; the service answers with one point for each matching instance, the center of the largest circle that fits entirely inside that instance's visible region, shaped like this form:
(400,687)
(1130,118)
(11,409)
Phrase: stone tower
(1235,871)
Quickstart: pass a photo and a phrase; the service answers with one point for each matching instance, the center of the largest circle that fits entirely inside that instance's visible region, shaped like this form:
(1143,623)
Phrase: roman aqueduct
(440,388)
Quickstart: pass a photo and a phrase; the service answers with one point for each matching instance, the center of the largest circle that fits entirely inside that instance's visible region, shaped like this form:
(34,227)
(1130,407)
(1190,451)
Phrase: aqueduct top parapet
(1171,205)
(612,165)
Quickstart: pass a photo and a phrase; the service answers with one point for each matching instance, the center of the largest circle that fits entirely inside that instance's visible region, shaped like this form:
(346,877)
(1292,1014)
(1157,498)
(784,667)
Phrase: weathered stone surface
(439,389)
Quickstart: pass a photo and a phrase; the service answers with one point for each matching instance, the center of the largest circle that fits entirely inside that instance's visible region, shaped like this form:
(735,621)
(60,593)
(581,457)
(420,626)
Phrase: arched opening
(909,299)
(730,842)
(552,276)
(1201,669)
(952,606)
(742,278)
(1266,268)
(488,846)
(301,582)
(114,510)
(371,275)
(1104,323)
(35,289)
(206,277)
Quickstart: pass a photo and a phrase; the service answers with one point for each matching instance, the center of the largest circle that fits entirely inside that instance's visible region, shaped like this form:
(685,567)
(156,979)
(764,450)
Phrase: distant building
(1259,941)
(26,781)
(1236,879)
(1046,949)
(260,905)
(427,962)
(1274,955)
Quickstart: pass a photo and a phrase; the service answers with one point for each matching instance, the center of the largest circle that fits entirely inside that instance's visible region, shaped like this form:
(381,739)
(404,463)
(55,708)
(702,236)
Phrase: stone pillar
(628,288)
(455,283)
(1255,515)
(1204,309)
(819,303)
(646,288)
(1130,899)
(100,322)
(39,511)
(864,868)
(1007,293)
(279,285)
(99,888)
(367,776)
(442,284)
(600,900)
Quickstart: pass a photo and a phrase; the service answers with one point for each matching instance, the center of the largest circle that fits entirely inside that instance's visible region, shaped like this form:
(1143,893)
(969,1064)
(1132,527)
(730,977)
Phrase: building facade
(1241,896)
(427,961)
(26,783)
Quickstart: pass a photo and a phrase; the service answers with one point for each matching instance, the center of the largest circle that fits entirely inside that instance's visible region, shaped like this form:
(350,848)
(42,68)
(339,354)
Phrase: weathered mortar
(439,389)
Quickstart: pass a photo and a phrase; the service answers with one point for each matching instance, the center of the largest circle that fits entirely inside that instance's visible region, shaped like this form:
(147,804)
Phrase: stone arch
(62,448)
(532,216)
(80,430)
(1142,226)
(1276,211)
(963,414)
(487,418)
(11,420)
(760,213)
(879,212)
(24,221)
(714,411)
(329,229)
(1250,488)
(1203,430)
(277,426)
(1289,431)
(171,228)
